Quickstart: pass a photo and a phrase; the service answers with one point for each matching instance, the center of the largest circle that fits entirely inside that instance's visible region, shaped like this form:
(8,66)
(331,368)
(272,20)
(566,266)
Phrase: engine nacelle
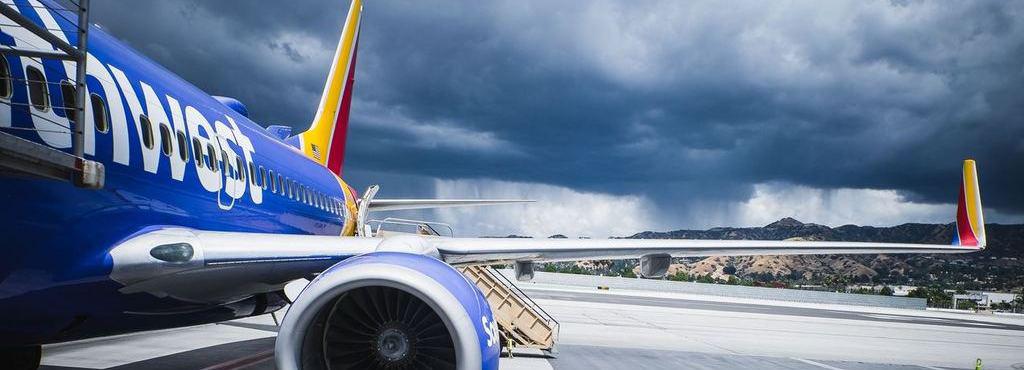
(389,310)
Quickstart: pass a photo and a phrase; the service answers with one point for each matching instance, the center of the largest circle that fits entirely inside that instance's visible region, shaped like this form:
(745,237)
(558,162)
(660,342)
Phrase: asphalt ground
(602,330)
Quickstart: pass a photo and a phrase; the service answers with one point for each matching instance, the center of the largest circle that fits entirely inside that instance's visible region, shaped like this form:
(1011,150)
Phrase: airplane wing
(236,258)
(369,203)
(403,204)
(969,237)
(485,251)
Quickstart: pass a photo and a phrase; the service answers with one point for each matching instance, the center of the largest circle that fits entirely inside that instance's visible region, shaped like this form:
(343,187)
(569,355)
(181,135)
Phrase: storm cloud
(689,111)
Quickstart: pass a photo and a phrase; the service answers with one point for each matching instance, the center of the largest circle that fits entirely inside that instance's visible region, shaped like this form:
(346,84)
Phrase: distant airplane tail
(970,223)
(324,141)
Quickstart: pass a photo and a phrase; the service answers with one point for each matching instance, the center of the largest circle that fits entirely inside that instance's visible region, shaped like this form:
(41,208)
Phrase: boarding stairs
(522,322)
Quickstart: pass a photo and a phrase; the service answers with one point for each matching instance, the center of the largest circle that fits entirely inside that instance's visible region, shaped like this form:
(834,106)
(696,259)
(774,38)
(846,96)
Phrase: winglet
(970,223)
(324,141)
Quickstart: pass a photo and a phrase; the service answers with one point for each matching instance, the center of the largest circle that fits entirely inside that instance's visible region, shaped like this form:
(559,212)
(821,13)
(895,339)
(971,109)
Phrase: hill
(998,267)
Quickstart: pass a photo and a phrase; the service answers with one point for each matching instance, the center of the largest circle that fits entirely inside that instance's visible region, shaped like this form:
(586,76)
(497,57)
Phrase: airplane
(204,216)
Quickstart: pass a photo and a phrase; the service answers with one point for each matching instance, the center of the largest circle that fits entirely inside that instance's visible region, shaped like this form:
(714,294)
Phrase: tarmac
(614,329)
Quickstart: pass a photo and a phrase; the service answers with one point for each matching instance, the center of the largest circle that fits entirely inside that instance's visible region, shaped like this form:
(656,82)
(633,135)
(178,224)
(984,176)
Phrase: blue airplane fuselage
(55,280)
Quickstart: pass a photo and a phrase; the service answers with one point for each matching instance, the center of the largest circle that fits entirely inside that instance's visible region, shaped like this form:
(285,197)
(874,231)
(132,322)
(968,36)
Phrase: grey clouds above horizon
(683,104)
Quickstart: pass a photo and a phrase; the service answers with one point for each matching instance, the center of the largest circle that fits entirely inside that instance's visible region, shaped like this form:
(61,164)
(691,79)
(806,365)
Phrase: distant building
(985,299)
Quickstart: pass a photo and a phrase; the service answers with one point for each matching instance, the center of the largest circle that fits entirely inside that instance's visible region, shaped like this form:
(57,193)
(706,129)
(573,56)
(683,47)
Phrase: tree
(886,290)
(706,279)
(679,276)
(836,283)
(729,270)
(627,272)
(935,295)
(1002,306)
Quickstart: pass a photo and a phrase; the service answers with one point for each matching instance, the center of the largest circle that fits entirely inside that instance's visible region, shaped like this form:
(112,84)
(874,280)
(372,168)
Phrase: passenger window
(147,131)
(241,168)
(5,79)
(280,183)
(211,158)
(197,148)
(165,140)
(222,162)
(182,147)
(252,173)
(37,93)
(68,94)
(263,178)
(273,184)
(99,113)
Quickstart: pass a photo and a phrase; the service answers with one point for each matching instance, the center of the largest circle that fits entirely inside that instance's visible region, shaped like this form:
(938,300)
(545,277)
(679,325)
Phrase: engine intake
(379,327)
(388,310)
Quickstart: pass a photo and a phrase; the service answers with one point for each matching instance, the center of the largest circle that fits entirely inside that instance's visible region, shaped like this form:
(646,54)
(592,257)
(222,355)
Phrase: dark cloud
(670,100)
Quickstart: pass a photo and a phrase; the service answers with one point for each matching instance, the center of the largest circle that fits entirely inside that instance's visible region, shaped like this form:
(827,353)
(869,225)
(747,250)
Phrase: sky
(623,116)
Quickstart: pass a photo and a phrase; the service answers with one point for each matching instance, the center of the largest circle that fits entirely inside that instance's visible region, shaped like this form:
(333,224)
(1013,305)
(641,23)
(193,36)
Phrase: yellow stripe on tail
(324,141)
(970,222)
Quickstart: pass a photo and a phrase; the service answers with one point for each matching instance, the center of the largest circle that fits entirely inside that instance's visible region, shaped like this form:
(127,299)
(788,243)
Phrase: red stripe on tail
(963,223)
(336,152)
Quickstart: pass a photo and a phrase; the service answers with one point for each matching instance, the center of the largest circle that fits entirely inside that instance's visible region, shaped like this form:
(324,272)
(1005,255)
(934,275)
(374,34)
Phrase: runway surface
(641,330)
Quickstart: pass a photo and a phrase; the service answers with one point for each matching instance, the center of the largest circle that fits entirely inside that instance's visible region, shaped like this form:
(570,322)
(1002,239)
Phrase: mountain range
(1000,266)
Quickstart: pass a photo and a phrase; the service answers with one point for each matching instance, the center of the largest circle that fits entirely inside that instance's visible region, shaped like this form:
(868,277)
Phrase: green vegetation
(936,296)
(935,292)
(565,268)
(627,273)
(836,283)
(680,276)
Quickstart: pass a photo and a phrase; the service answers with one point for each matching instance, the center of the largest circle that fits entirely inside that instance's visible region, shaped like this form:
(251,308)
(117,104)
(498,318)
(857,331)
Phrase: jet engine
(389,310)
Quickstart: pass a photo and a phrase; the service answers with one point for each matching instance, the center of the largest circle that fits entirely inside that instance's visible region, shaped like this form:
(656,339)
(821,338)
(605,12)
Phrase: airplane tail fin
(970,223)
(324,141)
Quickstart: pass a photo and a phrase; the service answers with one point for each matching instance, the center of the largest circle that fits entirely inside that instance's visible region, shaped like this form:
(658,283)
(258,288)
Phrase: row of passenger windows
(205,157)
(39,95)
